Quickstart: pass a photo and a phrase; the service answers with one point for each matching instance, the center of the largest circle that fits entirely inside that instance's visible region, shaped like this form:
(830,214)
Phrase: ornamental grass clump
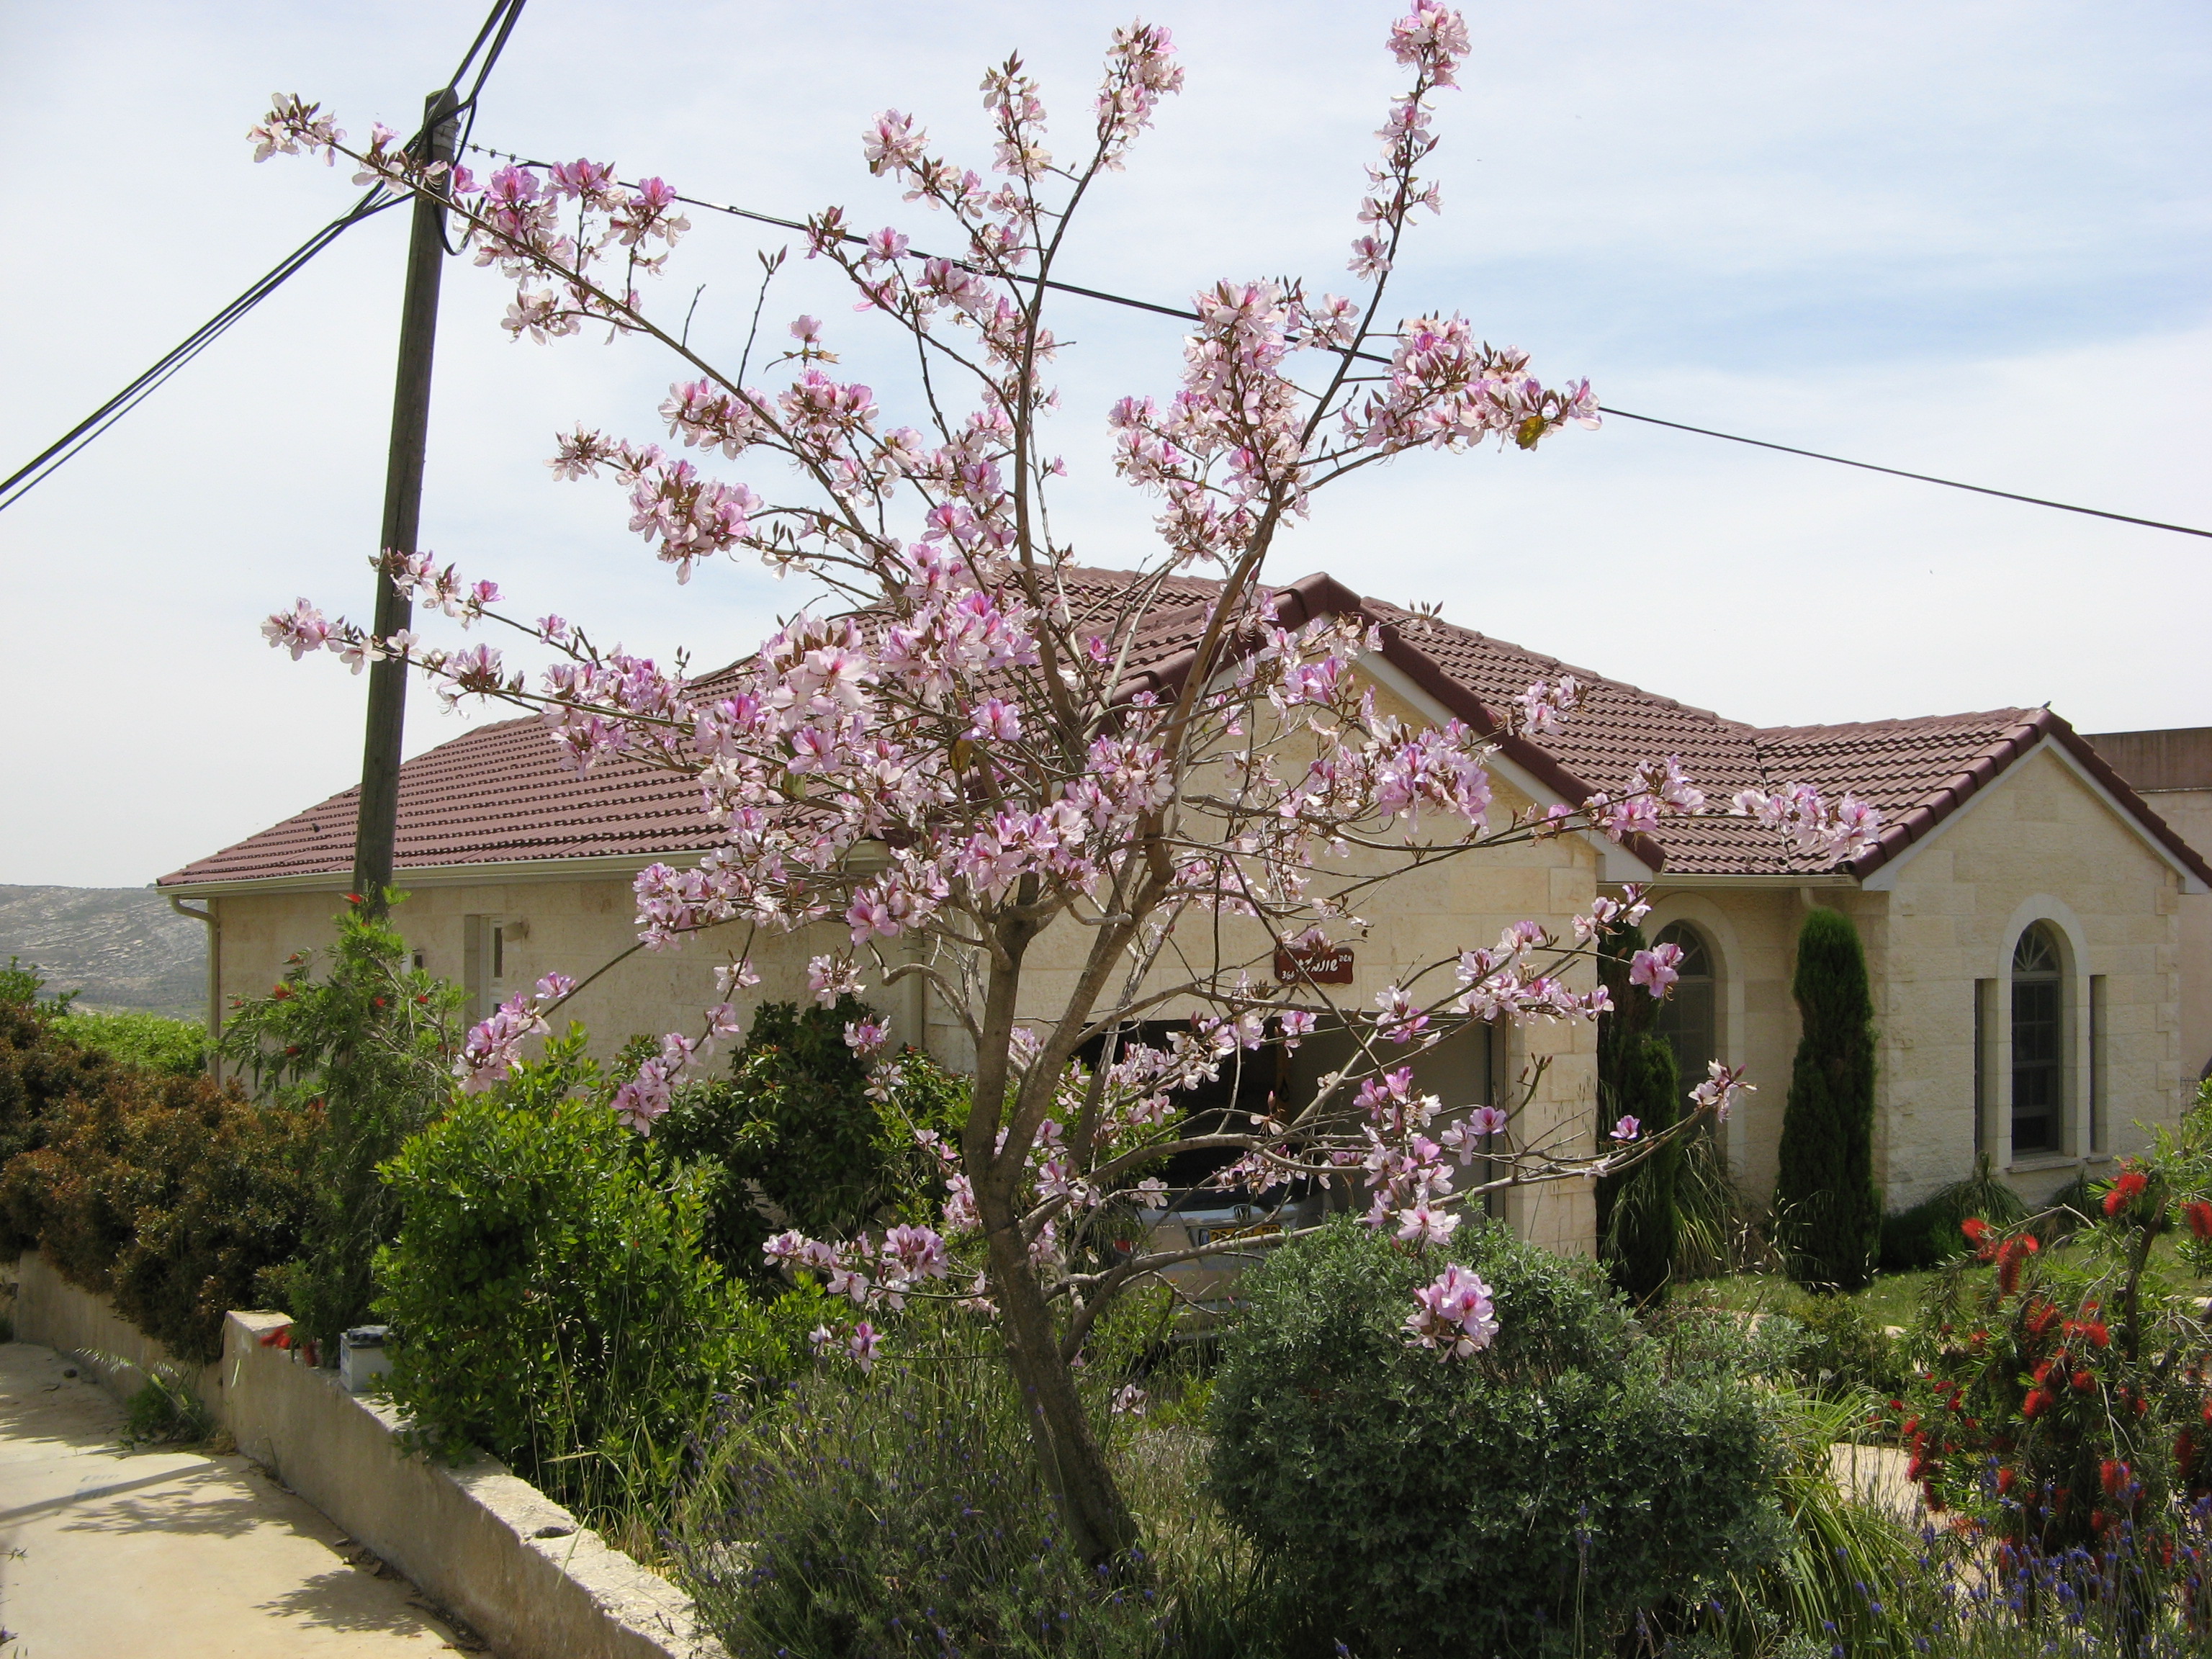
(1569,1482)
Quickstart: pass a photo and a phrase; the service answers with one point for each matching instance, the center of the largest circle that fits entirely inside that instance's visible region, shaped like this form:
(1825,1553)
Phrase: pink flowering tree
(970,757)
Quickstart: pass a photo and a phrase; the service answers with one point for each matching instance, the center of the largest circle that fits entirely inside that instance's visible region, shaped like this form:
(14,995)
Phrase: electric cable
(1184,314)
(498,25)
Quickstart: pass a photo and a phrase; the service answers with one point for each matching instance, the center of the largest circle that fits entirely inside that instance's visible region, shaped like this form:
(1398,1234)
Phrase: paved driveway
(110,1554)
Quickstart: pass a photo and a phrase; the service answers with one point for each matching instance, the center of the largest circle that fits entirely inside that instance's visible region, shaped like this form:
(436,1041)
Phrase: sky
(1963,239)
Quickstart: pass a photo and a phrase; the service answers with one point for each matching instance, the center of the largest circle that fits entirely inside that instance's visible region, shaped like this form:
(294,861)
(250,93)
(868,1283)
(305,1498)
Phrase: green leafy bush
(367,1048)
(168,1194)
(1538,1496)
(551,1295)
(153,1042)
(794,1124)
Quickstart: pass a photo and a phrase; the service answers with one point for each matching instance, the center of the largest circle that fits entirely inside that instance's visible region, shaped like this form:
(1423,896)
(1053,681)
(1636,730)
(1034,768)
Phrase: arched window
(1687,1019)
(2039,1042)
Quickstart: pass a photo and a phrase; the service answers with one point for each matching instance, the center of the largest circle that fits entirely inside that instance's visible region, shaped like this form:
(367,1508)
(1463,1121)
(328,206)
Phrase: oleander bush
(364,1044)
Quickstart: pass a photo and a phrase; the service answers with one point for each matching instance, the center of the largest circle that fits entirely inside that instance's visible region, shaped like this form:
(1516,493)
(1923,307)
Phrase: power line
(498,25)
(1185,315)
(42,465)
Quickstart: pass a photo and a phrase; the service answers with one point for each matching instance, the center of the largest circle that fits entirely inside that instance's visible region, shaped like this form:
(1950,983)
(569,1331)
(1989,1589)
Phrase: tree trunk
(1099,1524)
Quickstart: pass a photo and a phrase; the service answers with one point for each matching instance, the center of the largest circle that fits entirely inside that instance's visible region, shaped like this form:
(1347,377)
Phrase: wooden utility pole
(377,826)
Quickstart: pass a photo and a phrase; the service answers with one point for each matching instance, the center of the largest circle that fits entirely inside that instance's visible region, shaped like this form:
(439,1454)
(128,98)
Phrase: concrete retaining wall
(488,1544)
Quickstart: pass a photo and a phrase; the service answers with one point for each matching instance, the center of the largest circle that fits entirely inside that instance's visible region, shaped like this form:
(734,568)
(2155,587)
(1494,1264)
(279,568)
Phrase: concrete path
(112,1554)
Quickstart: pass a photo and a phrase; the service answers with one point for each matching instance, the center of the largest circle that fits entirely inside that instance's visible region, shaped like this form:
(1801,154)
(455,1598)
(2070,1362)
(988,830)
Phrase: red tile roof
(500,794)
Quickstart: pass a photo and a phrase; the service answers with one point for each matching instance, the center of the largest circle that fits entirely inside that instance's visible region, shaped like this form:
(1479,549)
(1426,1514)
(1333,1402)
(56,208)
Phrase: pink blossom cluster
(1456,1317)
(1833,830)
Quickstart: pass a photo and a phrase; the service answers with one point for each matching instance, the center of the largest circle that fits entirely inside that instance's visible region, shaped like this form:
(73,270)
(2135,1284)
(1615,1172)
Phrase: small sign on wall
(1318,964)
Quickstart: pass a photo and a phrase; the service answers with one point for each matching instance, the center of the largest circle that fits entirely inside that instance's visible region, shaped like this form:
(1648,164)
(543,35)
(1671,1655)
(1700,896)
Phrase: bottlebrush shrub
(169,1196)
(549,1293)
(795,1123)
(1548,1488)
(2066,1403)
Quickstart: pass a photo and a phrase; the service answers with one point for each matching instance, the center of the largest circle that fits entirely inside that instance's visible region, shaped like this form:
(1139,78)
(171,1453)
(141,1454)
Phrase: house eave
(586,867)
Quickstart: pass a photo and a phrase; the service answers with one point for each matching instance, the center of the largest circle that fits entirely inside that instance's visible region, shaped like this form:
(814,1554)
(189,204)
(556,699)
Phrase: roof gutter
(214,977)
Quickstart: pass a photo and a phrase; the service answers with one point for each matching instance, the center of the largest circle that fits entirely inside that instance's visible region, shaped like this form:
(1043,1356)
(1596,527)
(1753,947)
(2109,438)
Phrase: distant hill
(123,947)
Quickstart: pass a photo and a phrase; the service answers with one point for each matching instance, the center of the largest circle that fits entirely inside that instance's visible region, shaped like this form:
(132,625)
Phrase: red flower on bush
(1978,1234)
(2198,1214)
(2125,1190)
(2010,1255)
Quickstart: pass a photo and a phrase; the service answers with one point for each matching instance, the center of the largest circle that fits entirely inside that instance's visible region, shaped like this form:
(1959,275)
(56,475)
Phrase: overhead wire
(1184,314)
(498,25)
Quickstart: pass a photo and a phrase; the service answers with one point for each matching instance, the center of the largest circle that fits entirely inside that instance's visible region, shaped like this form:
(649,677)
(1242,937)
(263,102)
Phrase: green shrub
(168,1194)
(1827,1211)
(550,1297)
(1539,1496)
(1845,1354)
(368,1049)
(1927,1234)
(1642,1224)
(153,1042)
(794,1124)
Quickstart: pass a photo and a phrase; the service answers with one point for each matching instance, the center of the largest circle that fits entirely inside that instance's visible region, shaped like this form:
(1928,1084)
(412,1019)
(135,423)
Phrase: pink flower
(861,1345)
(1656,969)
(1721,1085)
(1422,1226)
(1487,1120)
(865,1037)
(1455,1317)
(997,721)
(1627,1129)
(830,978)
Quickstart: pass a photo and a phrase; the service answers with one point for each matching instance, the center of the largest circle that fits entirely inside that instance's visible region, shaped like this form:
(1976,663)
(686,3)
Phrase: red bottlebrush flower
(2041,1318)
(2083,1382)
(2097,1522)
(1978,1233)
(2007,1477)
(2184,1452)
(308,1349)
(282,992)
(2098,1336)
(1915,1467)
(2198,1214)
(2011,1254)
(2125,1190)
(2033,1405)
(376,1002)
(2112,1475)
(1911,1425)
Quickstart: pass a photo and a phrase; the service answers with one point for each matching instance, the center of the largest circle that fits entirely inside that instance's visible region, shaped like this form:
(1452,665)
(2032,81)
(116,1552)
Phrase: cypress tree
(1827,1212)
(1639,1208)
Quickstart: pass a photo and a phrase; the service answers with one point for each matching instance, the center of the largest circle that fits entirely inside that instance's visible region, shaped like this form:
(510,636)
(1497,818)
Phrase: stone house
(2022,910)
